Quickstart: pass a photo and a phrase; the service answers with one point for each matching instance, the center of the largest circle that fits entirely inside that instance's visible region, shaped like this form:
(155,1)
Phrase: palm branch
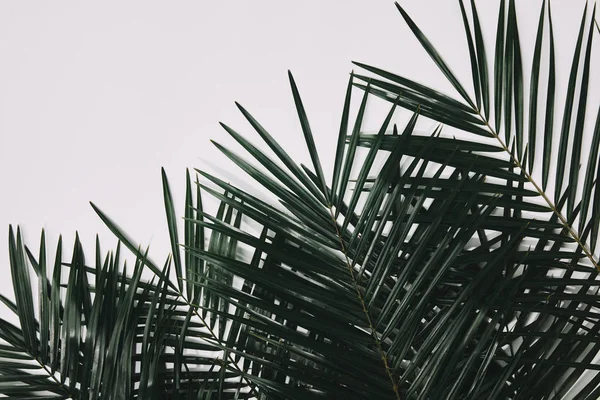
(424,267)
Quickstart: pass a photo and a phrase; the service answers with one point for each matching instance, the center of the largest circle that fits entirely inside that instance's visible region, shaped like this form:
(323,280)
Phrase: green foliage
(445,271)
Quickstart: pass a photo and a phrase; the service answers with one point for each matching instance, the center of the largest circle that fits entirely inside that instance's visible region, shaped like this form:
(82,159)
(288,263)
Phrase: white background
(96,97)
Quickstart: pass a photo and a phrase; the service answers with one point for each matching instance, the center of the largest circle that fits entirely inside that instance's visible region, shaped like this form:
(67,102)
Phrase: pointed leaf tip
(240,107)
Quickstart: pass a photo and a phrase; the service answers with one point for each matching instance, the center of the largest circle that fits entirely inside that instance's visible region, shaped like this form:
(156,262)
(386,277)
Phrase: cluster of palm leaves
(426,267)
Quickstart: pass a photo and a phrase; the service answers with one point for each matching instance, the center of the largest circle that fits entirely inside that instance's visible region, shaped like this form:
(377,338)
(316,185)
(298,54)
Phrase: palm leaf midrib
(194,307)
(476,111)
(571,231)
(359,295)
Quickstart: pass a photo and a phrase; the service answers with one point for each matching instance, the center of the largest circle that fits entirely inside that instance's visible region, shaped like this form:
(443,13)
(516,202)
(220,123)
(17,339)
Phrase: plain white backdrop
(96,97)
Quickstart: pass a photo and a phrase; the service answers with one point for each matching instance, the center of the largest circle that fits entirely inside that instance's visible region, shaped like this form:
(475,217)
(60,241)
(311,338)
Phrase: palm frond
(508,95)
(113,338)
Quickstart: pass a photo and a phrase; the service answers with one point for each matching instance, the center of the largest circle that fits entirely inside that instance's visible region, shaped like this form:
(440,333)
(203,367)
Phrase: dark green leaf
(339,152)
(549,119)
(565,132)
(482,62)
(349,159)
(472,55)
(308,136)
(22,287)
(586,195)
(579,121)
(172,225)
(533,88)
(435,56)
(281,154)
(518,81)
(499,67)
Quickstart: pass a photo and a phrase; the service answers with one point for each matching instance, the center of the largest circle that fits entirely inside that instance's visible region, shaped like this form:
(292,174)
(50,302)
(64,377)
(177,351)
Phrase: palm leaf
(566,122)
(504,71)
(295,265)
(94,347)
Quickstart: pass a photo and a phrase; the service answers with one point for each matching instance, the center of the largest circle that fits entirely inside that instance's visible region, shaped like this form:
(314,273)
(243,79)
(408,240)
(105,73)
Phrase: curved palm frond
(410,273)
(508,95)
(114,337)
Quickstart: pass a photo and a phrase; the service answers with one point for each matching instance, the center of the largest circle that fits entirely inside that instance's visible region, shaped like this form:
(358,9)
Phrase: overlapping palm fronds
(431,268)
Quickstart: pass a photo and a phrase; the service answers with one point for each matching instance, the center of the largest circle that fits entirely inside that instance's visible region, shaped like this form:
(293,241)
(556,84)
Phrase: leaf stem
(51,375)
(216,338)
(562,218)
(364,307)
